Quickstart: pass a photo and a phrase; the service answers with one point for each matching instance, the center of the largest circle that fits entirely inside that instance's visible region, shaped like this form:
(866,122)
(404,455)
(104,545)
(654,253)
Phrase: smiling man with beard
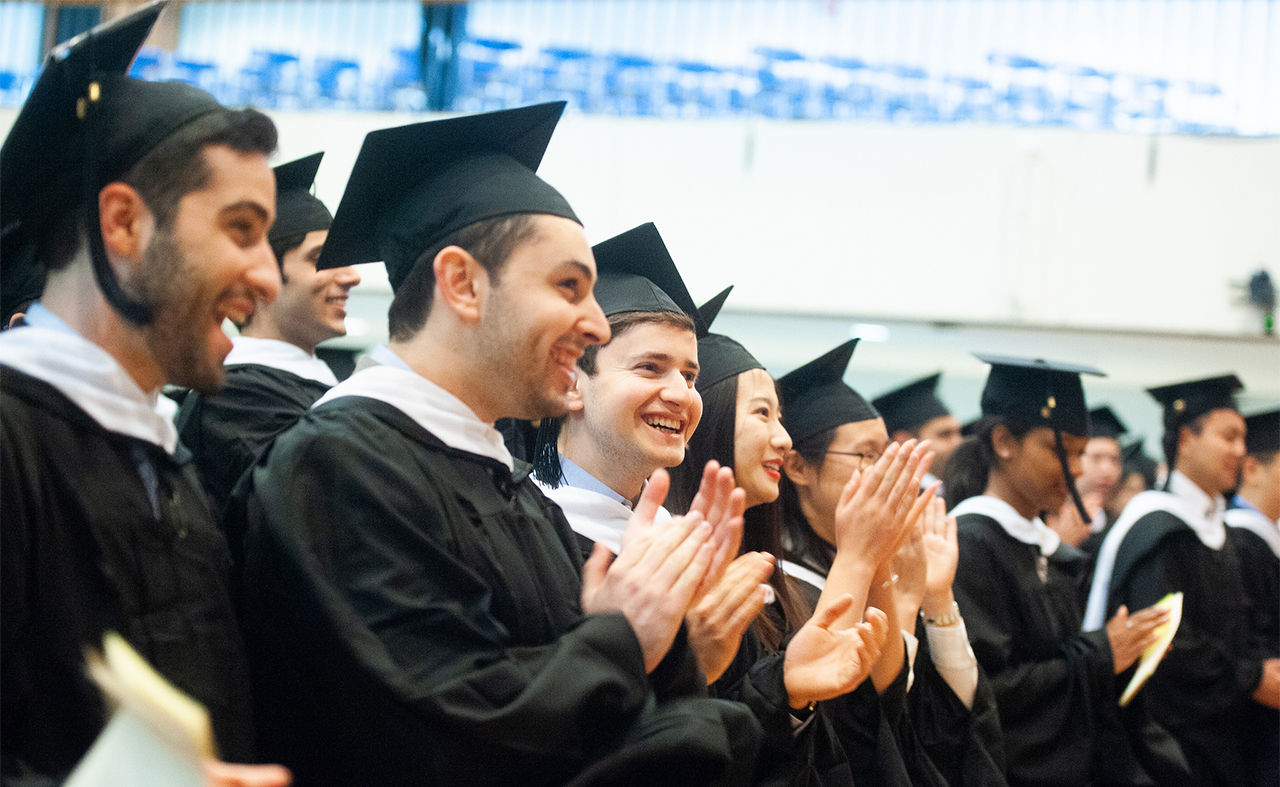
(147,204)
(273,374)
(417,611)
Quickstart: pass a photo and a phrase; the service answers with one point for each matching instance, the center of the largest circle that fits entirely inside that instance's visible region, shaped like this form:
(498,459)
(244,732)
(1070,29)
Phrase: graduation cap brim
(1262,433)
(298,211)
(1185,401)
(1037,392)
(708,311)
(637,274)
(1103,422)
(815,397)
(415,185)
(912,405)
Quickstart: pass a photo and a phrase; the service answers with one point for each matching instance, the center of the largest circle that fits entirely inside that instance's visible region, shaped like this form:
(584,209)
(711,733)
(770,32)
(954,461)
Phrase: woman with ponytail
(1019,589)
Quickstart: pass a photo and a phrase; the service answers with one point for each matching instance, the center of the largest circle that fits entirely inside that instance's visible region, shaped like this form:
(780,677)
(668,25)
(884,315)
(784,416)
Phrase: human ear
(459,282)
(575,393)
(797,469)
(125,222)
(1003,441)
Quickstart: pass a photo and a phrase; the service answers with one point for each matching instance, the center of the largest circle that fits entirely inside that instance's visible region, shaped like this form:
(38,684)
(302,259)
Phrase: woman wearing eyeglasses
(941,717)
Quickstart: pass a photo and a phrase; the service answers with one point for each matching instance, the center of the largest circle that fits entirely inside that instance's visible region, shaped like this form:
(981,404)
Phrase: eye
(691,378)
(647,366)
(572,287)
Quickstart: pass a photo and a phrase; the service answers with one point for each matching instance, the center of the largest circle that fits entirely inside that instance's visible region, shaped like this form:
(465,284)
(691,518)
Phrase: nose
(592,324)
(780,438)
(263,273)
(347,277)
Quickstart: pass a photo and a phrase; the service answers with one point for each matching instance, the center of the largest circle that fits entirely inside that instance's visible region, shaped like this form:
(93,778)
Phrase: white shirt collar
(279,355)
(1203,514)
(1248,517)
(51,351)
(594,510)
(1028,531)
(384,356)
(432,407)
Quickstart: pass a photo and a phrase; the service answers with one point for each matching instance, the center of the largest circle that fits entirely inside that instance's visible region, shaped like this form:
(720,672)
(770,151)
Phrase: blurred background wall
(1086,180)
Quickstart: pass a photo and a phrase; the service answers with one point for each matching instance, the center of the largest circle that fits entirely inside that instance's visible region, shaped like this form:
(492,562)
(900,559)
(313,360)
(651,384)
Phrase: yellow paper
(1155,652)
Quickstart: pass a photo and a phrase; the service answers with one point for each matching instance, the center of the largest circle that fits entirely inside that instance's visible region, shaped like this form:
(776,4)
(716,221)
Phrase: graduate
(417,611)
(1020,591)
(1175,540)
(1253,529)
(273,374)
(914,411)
(1101,469)
(1138,473)
(146,206)
(837,434)
(802,709)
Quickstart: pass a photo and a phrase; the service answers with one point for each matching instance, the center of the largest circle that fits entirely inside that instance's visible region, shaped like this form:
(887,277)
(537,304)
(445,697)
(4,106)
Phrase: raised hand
(717,622)
(911,567)
(225,774)
(824,661)
(656,574)
(722,505)
(878,507)
(942,554)
(1130,635)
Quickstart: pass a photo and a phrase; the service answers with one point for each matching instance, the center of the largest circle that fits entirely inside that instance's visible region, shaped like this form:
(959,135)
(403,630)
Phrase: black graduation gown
(414,614)
(83,553)
(227,430)
(1260,572)
(1055,688)
(926,736)
(1201,691)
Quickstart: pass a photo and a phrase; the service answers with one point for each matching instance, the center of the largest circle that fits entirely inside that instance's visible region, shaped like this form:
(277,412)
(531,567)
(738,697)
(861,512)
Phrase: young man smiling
(417,611)
(273,374)
(1175,540)
(148,206)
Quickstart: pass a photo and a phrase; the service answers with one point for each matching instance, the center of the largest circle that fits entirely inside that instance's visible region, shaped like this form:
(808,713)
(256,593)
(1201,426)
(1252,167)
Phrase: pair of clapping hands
(685,570)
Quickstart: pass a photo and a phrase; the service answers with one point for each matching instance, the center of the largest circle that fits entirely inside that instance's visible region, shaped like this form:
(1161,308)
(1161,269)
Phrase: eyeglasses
(864,460)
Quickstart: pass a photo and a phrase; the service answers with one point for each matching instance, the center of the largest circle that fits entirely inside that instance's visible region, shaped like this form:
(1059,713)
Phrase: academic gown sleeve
(374,620)
(1260,570)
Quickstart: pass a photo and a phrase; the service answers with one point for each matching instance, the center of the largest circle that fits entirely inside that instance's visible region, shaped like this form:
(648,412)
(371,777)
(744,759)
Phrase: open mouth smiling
(665,425)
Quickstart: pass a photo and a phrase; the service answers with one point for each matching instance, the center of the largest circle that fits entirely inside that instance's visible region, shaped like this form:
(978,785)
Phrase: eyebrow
(247,205)
(664,357)
(582,268)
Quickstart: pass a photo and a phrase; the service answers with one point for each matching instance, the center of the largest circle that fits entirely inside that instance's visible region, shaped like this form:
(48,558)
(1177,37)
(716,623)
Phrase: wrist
(949,617)
(936,605)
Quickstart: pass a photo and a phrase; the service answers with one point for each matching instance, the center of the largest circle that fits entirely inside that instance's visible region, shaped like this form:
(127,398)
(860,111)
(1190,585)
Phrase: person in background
(272,373)
(147,206)
(914,412)
(1020,590)
(940,737)
(1139,473)
(417,611)
(1174,540)
(1253,529)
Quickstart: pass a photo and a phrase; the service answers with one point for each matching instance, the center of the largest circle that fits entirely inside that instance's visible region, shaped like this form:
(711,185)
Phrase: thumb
(594,570)
(823,617)
(654,494)
(879,624)
(1122,614)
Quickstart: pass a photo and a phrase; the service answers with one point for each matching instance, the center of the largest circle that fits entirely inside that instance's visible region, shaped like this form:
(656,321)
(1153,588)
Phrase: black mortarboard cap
(298,211)
(1187,401)
(637,274)
(1135,460)
(911,406)
(1263,435)
(720,358)
(968,428)
(1103,422)
(1037,392)
(708,311)
(815,397)
(83,114)
(415,185)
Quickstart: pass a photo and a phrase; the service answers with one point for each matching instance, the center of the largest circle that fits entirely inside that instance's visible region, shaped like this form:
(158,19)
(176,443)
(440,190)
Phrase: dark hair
(282,246)
(803,542)
(491,242)
(762,528)
(625,321)
(168,172)
(1171,436)
(546,453)
(970,465)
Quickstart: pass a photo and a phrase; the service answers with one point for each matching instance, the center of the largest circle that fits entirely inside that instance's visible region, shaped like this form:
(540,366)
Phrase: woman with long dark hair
(1019,589)
(776,671)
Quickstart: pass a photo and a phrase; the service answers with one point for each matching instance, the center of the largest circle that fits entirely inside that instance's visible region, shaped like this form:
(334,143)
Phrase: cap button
(1179,405)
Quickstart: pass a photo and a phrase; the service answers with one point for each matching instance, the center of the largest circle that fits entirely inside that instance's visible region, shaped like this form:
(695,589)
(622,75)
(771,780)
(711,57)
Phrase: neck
(608,470)
(1265,499)
(822,525)
(265,326)
(1201,480)
(998,486)
(73,295)
(446,357)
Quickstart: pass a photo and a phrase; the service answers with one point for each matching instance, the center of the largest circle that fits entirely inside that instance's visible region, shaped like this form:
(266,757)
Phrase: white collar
(279,355)
(593,509)
(383,355)
(432,407)
(1186,501)
(1028,531)
(1256,522)
(50,350)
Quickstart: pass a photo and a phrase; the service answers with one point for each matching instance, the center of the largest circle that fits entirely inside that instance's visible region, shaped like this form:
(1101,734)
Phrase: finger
(656,545)
(721,484)
(741,577)
(1122,613)
(677,561)
(851,488)
(748,610)
(706,488)
(684,586)
(879,625)
(874,475)
(892,472)
(651,499)
(901,487)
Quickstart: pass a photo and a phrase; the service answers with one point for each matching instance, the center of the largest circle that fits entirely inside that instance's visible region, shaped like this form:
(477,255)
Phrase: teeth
(666,424)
